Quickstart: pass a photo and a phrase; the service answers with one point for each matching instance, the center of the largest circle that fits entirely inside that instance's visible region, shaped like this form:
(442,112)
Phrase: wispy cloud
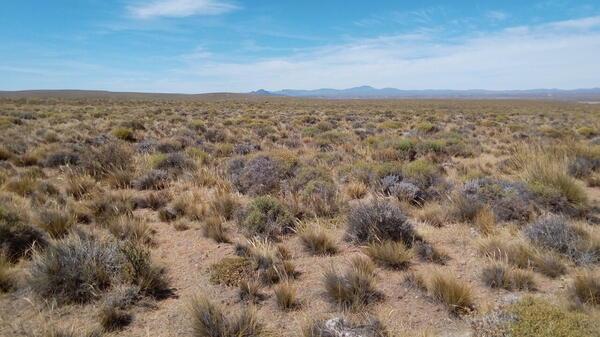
(562,54)
(180,8)
(585,23)
(514,58)
(497,15)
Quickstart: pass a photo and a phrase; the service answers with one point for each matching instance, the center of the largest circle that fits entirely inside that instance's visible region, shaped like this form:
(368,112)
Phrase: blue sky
(195,46)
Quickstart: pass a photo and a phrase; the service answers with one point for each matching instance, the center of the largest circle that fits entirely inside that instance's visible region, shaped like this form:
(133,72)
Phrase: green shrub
(587,131)
(425,127)
(230,271)
(124,134)
(538,318)
(420,172)
(268,217)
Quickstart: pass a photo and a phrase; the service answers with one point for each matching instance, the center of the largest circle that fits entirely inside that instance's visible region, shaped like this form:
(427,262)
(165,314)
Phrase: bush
(499,275)
(379,220)
(425,127)
(390,254)
(356,190)
(139,269)
(107,159)
(339,327)
(79,186)
(107,206)
(7,279)
(355,288)
(586,288)
(319,197)
(285,296)
(427,253)
(208,320)
(113,319)
(230,271)
(509,201)
(555,233)
(446,289)
(521,255)
(124,134)
(171,161)
(79,267)
(214,228)
(127,228)
(258,176)
(317,240)
(17,239)
(271,262)
(548,178)
(74,269)
(55,221)
(587,131)
(224,204)
(538,318)
(62,158)
(267,216)
(152,180)
(250,291)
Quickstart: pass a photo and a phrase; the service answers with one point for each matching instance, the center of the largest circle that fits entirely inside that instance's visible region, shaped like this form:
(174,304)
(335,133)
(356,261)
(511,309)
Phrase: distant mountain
(363,92)
(263,92)
(366,92)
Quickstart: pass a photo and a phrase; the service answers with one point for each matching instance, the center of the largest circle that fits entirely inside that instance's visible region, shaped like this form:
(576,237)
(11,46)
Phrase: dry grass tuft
(586,288)
(285,296)
(354,289)
(356,190)
(316,239)
(446,289)
(500,275)
(389,254)
(208,320)
(113,319)
(214,228)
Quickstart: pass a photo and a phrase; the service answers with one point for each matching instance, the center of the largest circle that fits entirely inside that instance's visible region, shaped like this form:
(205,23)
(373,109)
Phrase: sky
(197,46)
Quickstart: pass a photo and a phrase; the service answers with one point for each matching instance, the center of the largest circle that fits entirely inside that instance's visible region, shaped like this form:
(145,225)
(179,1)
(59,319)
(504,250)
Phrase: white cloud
(180,8)
(585,23)
(497,15)
(544,56)
(551,55)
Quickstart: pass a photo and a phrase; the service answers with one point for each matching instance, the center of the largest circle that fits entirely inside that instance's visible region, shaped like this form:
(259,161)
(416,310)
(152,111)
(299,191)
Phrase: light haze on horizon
(197,46)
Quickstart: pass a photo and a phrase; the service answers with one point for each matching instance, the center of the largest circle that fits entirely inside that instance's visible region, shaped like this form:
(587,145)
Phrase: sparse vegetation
(390,254)
(208,320)
(456,295)
(279,204)
(355,288)
(379,220)
(317,240)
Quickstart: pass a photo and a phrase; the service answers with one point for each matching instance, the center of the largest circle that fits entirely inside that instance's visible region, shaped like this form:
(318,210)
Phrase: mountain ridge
(367,91)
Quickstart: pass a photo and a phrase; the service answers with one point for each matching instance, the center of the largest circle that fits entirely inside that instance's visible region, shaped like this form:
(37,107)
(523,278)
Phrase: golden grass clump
(316,239)
(389,254)
(448,290)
